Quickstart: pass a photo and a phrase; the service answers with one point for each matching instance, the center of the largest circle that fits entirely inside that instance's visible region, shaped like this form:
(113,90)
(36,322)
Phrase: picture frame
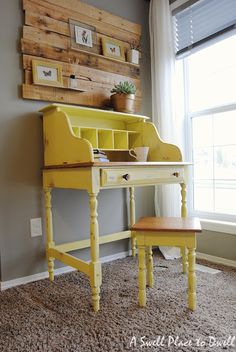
(47,73)
(113,48)
(83,37)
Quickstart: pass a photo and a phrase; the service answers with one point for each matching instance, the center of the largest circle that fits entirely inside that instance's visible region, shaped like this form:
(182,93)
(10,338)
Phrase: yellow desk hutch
(71,133)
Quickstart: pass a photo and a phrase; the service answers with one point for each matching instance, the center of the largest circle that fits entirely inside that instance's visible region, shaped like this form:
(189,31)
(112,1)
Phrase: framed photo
(47,73)
(83,37)
(113,48)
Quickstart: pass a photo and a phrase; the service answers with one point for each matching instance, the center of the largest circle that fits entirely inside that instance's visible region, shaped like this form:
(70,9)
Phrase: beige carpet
(56,317)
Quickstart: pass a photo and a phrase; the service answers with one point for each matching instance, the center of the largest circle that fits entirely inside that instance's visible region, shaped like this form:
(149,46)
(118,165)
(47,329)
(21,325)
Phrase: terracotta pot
(123,102)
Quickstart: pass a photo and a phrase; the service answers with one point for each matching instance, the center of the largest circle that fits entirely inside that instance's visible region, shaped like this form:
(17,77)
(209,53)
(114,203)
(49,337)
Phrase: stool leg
(191,279)
(184,259)
(149,261)
(141,276)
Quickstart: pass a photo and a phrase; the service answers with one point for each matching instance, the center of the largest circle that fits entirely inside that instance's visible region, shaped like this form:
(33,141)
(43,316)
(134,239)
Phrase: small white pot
(133,56)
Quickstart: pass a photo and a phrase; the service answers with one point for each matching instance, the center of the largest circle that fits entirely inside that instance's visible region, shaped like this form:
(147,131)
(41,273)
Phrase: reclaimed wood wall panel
(46,36)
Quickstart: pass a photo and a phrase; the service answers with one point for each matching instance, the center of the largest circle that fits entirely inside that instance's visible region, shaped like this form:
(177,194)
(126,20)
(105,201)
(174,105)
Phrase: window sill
(219,226)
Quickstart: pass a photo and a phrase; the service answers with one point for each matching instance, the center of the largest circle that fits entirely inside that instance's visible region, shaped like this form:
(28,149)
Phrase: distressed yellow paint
(146,239)
(184,260)
(95,272)
(132,218)
(72,246)
(70,135)
(142,276)
(183,200)
(49,231)
(191,279)
(149,262)
(82,129)
(70,260)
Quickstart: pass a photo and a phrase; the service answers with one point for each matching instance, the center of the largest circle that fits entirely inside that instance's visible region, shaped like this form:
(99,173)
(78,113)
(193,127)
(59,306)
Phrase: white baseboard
(65,269)
(216,260)
(109,258)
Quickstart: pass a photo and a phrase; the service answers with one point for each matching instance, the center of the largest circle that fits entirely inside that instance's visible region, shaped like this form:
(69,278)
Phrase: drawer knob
(176,174)
(126,177)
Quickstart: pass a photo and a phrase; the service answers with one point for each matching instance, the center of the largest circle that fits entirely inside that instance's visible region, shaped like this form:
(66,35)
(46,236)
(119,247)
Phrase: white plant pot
(133,56)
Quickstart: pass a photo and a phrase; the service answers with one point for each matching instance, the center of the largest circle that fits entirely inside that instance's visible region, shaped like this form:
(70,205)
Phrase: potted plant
(133,53)
(123,99)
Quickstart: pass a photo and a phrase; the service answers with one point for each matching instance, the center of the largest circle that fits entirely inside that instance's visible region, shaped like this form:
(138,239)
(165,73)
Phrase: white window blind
(203,21)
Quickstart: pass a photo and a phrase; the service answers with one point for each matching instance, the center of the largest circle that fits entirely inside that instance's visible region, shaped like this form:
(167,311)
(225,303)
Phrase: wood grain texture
(47,36)
(61,95)
(101,63)
(167,224)
(49,24)
(99,15)
(51,12)
(97,99)
(107,80)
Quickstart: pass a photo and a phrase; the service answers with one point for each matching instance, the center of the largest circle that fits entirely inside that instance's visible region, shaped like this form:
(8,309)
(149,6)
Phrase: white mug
(140,153)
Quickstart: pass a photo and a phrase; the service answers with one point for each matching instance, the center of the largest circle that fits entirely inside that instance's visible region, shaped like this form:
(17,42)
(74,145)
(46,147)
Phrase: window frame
(216,221)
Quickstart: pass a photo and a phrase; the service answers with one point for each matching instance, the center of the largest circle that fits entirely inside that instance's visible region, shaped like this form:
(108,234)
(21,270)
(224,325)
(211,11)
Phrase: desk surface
(117,163)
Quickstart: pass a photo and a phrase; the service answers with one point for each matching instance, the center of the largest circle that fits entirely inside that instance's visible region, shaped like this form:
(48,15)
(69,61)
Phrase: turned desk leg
(183,215)
(95,265)
(49,231)
(132,219)
(149,261)
(183,200)
(191,279)
(142,276)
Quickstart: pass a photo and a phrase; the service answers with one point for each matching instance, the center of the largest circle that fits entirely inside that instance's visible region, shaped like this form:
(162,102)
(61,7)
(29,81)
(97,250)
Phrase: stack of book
(100,156)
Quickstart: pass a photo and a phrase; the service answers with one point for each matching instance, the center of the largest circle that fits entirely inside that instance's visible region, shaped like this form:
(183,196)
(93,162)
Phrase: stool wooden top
(167,224)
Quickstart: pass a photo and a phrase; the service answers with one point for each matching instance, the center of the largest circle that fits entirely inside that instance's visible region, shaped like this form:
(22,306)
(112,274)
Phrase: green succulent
(124,88)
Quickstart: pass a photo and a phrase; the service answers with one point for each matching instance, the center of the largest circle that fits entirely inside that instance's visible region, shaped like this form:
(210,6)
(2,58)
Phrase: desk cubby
(91,134)
(107,139)
(72,132)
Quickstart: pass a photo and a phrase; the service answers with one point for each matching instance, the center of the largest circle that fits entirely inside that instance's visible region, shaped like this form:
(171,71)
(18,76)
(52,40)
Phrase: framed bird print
(47,73)
(83,37)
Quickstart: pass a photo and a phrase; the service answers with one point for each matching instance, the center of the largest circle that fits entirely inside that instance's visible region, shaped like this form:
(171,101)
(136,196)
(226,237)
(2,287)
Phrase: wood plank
(91,75)
(60,41)
(83,85)
(85,59)
(100,15)
(54,94)
(46,37)
(51,12)
(49,24)
(44,22)
(94,99)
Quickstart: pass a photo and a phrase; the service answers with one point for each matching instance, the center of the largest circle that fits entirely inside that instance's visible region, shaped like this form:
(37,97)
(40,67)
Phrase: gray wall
(21,157)
(21,160)
(217,244)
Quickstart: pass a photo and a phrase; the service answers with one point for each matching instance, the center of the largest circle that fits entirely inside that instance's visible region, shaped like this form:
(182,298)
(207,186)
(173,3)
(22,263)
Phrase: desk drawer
(141,176)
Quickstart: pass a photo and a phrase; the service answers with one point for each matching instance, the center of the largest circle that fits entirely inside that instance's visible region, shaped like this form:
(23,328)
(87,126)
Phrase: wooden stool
(153,231)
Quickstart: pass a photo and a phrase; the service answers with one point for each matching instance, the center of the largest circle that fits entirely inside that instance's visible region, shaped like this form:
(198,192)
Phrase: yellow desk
(70,135)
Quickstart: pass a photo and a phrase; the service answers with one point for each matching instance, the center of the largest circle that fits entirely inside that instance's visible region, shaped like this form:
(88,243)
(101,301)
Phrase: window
(209,77)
